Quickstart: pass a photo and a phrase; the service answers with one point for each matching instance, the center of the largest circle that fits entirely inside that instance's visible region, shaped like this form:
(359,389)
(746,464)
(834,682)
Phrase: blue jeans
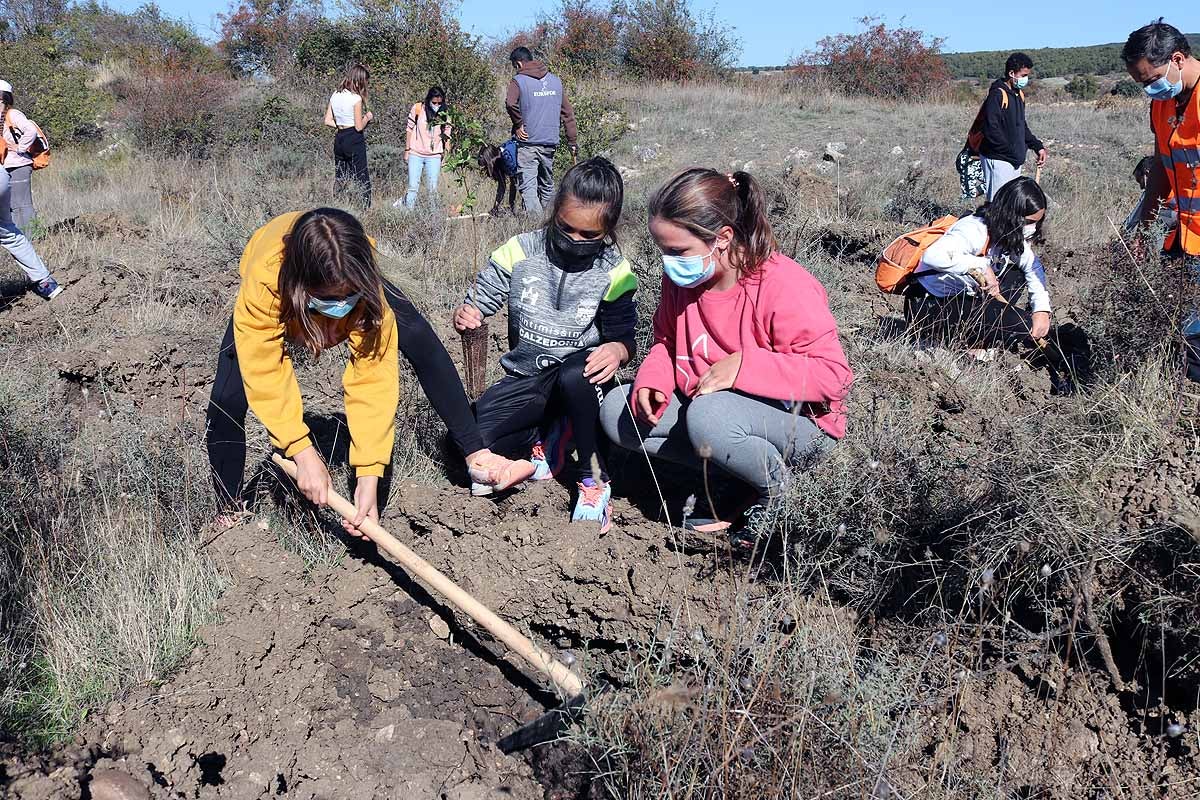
(431,166)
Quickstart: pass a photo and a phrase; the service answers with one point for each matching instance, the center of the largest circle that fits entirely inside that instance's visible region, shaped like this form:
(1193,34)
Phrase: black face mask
(574,255)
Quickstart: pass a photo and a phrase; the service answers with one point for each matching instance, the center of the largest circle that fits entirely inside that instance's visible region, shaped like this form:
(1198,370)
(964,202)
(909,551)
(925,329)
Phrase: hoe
(543,729)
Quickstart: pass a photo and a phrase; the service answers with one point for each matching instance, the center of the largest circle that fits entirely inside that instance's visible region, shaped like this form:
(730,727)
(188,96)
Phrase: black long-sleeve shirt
(1006,136)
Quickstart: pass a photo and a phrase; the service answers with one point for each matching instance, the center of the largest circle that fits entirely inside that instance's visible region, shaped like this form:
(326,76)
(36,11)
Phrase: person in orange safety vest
(1159,57)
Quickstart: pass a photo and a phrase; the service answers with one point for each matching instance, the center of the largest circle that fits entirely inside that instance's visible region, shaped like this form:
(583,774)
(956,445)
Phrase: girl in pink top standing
(428,140)
(746,369)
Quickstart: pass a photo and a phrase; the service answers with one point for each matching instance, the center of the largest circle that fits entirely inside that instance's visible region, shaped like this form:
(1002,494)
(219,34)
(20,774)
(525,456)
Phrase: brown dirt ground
(353,682)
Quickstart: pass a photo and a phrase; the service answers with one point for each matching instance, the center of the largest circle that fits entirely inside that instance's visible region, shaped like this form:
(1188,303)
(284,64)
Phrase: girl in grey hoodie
(571,318)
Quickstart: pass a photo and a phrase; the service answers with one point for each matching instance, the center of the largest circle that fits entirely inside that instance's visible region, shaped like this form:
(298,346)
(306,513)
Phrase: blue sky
(774,30)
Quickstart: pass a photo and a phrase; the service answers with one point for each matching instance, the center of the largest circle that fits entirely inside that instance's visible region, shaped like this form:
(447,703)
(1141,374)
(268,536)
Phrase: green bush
(53,91)
(409,47)
(1083,87)
(1127,88)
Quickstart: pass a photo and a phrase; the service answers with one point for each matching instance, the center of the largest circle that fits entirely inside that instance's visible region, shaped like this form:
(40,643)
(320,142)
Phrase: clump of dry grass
(103,574)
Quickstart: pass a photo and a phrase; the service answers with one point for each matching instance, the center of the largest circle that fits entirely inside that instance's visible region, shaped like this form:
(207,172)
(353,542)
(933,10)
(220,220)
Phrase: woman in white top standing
(11,237)
(969,281)
(345,112)
(19,136)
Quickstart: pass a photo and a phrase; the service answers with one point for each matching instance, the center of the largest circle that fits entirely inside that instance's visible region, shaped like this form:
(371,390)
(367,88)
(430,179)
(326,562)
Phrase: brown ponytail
(703,201)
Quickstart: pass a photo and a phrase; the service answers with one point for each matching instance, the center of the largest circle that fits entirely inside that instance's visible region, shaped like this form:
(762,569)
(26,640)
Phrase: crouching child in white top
(967,287)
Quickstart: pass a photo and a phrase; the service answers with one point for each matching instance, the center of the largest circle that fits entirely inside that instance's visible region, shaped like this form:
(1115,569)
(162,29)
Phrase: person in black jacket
(1006,136)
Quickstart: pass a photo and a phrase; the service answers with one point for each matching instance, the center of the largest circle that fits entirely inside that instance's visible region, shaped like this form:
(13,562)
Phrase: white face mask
(1029,231)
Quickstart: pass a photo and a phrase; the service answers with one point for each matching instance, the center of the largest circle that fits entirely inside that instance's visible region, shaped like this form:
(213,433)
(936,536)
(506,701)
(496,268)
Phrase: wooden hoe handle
(567,681)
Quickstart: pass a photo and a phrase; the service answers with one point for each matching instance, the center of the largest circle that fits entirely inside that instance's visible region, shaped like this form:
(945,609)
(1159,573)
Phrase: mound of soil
(353,682)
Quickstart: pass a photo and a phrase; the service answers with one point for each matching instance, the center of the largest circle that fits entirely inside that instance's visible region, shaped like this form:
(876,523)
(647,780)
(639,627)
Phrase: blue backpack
(509,151)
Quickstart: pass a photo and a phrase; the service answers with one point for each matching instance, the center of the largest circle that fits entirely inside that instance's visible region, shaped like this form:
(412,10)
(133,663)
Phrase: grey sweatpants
(11,238)
(535,168)
(751,438)
(996,173)
(23,210)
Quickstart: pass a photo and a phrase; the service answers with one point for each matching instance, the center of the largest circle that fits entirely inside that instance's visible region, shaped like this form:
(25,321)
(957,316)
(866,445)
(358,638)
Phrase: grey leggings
(21,203)
(751,438)
(14,241)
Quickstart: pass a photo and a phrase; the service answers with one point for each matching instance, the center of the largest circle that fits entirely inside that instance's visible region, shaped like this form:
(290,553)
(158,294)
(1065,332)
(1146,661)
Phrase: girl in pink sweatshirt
(746,370)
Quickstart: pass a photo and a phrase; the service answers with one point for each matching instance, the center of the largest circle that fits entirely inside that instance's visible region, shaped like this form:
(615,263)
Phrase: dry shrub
(784,697)
(876,60)
(175,110)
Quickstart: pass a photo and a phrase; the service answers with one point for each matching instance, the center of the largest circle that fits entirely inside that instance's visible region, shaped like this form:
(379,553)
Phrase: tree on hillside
(880,61)
(650,39)
(261,36)
(668,40)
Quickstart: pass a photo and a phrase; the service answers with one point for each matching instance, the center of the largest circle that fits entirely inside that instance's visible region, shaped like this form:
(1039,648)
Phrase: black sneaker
(754,528)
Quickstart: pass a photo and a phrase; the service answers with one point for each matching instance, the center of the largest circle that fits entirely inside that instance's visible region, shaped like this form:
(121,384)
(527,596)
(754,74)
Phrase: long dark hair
(6,100)
(594,182)
(703,201)
(327,248)
(491,161)
(430,114)
(1005,215)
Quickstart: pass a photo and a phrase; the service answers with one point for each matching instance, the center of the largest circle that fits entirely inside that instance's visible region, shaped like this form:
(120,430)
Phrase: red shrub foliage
(880,61)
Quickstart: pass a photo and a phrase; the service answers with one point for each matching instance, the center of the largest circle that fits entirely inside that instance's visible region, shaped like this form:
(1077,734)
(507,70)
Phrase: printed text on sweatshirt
(554,313)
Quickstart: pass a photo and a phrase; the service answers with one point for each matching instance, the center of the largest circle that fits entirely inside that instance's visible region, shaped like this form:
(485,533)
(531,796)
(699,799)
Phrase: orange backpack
(39,151)
(902,257)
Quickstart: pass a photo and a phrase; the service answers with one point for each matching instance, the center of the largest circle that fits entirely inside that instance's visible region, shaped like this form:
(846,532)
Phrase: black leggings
(226,428)
(350,164)
(983,321)
(512,411)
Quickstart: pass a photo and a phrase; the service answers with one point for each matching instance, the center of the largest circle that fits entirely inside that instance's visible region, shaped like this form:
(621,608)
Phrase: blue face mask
(1021,83)
(334,309)
(688,272)
(1164,88)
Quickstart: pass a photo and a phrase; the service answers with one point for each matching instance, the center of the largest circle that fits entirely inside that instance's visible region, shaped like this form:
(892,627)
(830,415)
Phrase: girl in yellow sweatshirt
(311,278)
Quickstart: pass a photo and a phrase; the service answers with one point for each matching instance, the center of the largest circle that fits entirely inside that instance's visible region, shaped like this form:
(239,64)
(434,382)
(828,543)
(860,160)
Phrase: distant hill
(1048,62)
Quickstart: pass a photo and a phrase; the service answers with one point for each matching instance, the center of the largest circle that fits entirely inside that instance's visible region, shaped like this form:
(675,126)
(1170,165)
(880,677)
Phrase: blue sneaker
(550,454)
(592,505)
(47,289)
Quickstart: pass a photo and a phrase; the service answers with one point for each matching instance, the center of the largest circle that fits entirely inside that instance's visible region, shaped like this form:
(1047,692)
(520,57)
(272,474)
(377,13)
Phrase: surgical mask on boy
(1029,231)
(688,272)
(334,309)
(1021,83)
(1164,88)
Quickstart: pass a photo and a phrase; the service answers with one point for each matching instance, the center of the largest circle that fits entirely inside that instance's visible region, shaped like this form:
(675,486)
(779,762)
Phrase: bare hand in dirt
(1041,325)
(312,476)
(650,405)
(522,135)
(987,281)
(467,318)
(720,376)
(366,505)
(1042,155)
(603,362)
